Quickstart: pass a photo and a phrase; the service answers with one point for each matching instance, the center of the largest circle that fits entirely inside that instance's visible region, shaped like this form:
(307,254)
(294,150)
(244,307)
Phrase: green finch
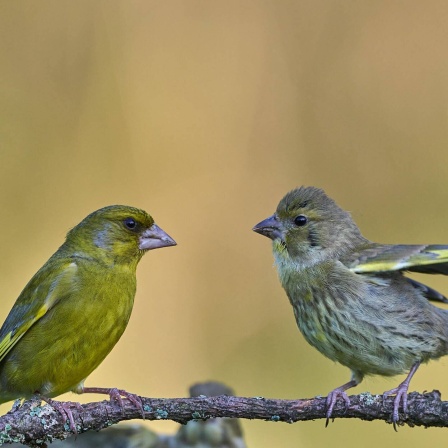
(76,307)
(350,296)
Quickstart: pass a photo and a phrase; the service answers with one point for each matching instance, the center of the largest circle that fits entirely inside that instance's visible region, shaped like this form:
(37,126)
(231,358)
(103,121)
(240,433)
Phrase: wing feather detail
(40,295)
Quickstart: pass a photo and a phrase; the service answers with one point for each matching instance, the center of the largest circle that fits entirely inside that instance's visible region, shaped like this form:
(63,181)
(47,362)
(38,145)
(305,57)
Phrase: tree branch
(36,425)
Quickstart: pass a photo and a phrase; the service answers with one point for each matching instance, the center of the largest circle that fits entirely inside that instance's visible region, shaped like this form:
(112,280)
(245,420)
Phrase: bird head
(309,227)
(117,233)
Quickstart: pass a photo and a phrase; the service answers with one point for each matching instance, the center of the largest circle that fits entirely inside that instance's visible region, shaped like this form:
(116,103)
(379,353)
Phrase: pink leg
(116,394)
(339,392)
(63,407)
(401,394)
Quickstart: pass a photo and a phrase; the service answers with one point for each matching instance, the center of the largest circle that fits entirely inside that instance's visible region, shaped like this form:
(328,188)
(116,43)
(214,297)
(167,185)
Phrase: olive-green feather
(39,296)
(76,307)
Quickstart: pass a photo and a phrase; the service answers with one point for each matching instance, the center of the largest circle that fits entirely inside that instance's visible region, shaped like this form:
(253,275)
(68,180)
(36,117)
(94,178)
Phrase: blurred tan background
(205,114)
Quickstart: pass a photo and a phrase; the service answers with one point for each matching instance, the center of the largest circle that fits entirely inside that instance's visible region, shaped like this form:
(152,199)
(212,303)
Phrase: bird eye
(130,223)
(300,220)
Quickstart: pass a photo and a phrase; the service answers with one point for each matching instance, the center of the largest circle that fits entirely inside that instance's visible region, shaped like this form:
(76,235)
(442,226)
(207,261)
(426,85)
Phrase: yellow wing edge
(14,336)
(10,340)
(424,258)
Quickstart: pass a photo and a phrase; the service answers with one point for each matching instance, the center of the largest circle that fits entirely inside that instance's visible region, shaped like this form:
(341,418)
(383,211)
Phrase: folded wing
(427,259)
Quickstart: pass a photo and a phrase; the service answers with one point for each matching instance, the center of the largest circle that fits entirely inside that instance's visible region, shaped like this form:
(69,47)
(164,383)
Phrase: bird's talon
(332,400)
(401,396)
(63,407)
(114,395)
(117,395)
(133,398)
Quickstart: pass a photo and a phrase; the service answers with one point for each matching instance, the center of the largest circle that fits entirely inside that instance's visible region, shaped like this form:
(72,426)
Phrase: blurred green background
(205,113)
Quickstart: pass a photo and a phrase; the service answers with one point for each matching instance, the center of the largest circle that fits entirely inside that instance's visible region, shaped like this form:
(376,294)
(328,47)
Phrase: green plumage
(75,308)
(350,297)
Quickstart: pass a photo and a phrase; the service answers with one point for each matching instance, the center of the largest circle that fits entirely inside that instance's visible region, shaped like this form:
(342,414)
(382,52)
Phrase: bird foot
(64,408)
(116,395)
(401,396)
(332,398)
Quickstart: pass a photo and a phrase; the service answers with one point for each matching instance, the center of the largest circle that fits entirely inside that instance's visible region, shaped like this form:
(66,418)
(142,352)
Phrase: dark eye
(300,220)
(130,223)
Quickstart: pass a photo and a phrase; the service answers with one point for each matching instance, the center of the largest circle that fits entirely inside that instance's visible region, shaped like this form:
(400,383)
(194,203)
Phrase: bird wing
(48,286)
(429,259)
(427,292)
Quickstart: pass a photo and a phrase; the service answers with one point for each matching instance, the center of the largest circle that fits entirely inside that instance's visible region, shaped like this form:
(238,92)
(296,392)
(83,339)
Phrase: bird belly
(336,336)
(63,347)
(364,337)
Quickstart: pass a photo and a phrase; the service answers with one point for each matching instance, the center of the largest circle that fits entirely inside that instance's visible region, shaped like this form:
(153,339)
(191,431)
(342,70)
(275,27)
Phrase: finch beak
(155,237)
(270,227)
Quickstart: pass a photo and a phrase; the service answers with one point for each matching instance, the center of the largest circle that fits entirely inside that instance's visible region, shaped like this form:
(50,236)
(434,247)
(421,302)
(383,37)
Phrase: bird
(76,307)
(351,297)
